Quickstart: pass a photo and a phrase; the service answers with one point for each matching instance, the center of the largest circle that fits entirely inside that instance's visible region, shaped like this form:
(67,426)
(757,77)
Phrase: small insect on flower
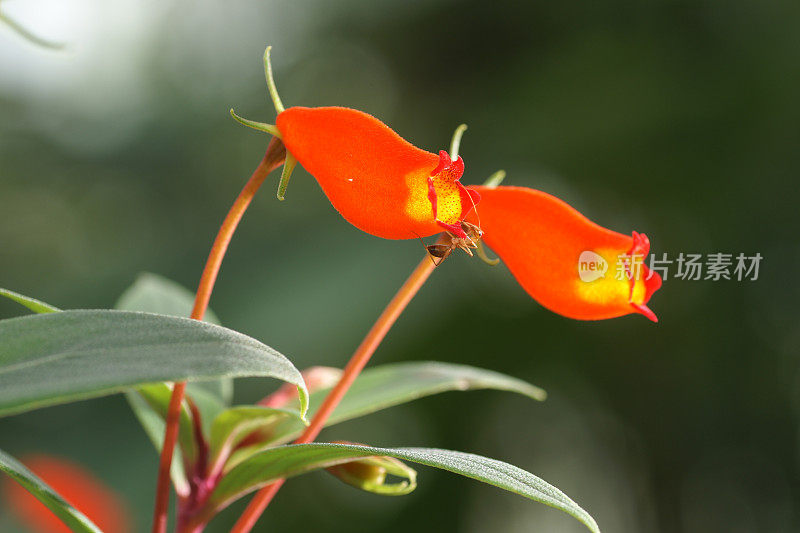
(472,235)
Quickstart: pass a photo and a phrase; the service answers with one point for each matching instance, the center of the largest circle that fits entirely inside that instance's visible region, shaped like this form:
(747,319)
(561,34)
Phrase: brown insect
(442,251)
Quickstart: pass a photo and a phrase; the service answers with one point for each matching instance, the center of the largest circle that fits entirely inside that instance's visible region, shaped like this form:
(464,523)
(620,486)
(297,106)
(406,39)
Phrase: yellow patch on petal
(418,207)
(448,201)
(639,292)
(614,285)
(603,291)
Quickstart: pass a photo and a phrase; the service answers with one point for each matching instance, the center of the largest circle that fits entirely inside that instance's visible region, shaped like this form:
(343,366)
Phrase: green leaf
(389,385)
(236,423)
(71,517)
(152,293)
(292,460)
(72,355)
(31,303)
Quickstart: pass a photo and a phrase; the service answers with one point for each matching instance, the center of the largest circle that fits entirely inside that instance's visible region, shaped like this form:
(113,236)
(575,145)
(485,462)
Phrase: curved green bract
(455,142)
(495,179)
(273,90)
(286,174)
(260,126)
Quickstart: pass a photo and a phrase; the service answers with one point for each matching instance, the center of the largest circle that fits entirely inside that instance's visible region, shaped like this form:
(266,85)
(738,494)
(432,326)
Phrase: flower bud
(369,474)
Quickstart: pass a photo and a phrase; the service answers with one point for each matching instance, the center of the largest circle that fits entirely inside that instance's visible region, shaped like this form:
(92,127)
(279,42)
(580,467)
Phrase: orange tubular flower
(563,260)
(384,185)
(378,181)
(85,492)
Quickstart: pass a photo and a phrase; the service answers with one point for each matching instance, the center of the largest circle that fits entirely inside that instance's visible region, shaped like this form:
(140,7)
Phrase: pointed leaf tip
(37,306)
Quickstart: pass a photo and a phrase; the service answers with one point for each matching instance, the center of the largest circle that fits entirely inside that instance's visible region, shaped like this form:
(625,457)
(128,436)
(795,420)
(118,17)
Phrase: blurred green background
(677,118)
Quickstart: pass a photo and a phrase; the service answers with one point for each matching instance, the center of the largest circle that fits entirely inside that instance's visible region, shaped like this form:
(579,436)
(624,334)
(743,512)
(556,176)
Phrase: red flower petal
(378,181)
(563,260)
(76,485)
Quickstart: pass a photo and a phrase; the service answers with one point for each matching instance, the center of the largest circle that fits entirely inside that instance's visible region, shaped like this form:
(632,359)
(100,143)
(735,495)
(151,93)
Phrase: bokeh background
(677,118)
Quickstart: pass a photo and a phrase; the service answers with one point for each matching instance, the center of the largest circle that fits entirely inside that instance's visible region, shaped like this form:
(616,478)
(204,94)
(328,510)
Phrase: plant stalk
(273,158)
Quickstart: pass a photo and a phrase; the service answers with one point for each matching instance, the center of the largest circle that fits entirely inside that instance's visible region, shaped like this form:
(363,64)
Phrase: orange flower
(563,260)
(85,492)
(378,181)
(386,186)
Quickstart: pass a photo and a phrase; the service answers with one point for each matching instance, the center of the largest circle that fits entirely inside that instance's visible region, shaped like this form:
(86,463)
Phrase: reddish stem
(272,159)
(351,371)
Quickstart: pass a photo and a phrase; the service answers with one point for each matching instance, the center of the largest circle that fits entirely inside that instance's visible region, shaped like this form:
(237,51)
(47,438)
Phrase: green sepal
(455,143)
(288,167)
(495,179)
(260,126)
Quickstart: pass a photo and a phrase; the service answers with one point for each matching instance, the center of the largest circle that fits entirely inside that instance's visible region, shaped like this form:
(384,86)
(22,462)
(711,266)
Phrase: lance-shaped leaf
(72,355)
(292,460)
(389,385)
(73,518)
